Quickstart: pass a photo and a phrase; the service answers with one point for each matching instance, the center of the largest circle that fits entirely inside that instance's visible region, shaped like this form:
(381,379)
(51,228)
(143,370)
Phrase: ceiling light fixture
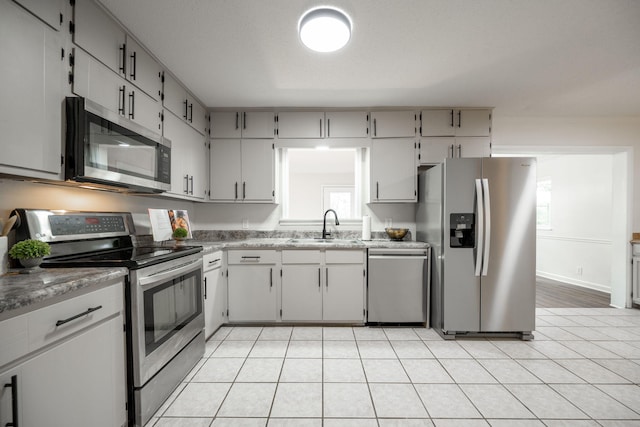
(324,29)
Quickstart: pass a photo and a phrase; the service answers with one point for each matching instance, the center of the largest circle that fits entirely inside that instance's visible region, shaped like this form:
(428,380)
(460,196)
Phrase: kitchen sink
(321,241)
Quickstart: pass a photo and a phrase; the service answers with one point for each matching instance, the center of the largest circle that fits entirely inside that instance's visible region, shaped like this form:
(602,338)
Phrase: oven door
(166,313)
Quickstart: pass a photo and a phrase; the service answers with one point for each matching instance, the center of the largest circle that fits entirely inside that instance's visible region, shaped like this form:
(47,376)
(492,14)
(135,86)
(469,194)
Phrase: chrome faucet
(325,233)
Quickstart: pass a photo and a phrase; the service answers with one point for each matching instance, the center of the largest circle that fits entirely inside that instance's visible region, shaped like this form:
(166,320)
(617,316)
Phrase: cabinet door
(301,124)
(49,11)
(99,35)
(198,118)
(258,124)
(343,299)
(301,293)
(214,301)
(31,92)
(143,70)
(94,81)
(433,150)
(473,123)
(226,124)
(173,129)
(437,122)
(143,109)
(11,392)
(56,383)
(392,124)
(347,124)
(225,178)
(175,97)
(257,170)
(197,164)
(252,293)
(393,170)
(473,146)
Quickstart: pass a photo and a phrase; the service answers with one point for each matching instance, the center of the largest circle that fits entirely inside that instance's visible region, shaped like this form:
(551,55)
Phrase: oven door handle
(163,275)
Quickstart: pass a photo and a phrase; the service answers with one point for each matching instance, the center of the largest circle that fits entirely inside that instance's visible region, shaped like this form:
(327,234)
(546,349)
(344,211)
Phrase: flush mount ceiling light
(324,29)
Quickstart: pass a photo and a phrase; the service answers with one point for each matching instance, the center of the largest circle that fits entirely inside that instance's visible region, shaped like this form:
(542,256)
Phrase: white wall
(577,248)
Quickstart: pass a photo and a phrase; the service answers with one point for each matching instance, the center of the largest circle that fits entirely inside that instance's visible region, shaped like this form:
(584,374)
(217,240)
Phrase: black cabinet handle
(319,280)
(236,190)
(132,105)
(377,190)
(77,316)
(191,180)
(244,120)
(121,100)
(375,128)
(14,401)
(271,278)
(205,287)
(123,59)
(132,72)
(459,150)
(186,186)
(186,109)
(328,128)
(244,190)
(190,113)
(326,277)
(237,117)
(459,118)
(452,118)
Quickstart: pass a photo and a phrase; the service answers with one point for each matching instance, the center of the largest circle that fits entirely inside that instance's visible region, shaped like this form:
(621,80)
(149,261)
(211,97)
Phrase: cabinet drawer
(42,323)
(301,257)
(344,257)
(252,257)
(14,338)
(636,249)
(212,260)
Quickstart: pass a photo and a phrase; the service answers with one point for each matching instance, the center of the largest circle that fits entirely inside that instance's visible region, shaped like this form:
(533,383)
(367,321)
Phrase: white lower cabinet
(323,286)
(76,380)
(252,285)
(214,293)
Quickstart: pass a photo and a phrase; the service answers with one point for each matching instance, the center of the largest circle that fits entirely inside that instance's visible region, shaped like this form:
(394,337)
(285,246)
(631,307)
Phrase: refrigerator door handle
(487,244)
(480,225)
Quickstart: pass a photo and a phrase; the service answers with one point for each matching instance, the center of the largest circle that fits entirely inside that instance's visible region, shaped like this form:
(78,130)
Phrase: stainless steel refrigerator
(478,214)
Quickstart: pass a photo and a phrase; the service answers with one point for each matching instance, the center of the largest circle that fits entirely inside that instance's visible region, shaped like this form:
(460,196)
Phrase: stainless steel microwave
(104,148)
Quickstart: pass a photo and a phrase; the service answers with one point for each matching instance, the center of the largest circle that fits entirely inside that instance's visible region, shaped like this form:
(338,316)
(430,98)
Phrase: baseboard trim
(572,281)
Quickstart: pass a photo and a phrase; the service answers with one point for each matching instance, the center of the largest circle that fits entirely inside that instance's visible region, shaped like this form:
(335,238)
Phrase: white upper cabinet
(143,70)
(50,11)
(435,149)
(242,124)
(347,124)
(393,170)
(452,122)
(99,35)
(180,102)
(393,124)
(31,93)
(301,124)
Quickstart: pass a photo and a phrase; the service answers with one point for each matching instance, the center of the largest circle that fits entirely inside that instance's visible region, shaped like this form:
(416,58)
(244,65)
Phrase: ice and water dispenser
(462,232)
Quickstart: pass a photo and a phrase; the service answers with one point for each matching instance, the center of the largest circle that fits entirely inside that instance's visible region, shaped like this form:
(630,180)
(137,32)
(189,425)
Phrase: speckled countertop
(21,290)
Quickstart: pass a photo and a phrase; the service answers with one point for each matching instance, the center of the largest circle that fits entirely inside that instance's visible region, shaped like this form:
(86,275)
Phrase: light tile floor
(582,369)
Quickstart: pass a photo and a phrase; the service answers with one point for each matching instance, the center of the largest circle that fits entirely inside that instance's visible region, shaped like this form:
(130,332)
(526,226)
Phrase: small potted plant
(179,234)
(30,252)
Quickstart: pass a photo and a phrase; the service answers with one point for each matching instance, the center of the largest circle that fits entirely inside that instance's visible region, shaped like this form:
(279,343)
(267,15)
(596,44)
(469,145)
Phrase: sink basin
(324,241)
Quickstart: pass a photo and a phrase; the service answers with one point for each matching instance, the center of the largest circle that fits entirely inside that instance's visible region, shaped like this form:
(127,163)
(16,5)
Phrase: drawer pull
(250,259)
(13,385)
(77,316)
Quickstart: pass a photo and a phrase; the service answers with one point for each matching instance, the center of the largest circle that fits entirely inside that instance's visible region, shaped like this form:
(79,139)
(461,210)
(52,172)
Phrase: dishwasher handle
(398,257)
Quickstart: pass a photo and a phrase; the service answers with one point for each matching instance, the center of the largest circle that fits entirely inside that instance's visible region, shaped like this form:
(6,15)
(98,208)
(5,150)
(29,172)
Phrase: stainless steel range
(164,314)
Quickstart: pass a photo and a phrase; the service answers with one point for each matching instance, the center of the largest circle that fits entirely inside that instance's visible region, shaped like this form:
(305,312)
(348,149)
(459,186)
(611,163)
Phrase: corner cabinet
(393,170)
(242,170)
(32,93)
(69,375)
(252,285)
(181,103)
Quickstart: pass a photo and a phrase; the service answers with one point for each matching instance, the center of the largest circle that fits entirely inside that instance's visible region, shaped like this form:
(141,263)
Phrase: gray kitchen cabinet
(393,174)
(181,103)
(94,81)
(323,286)
(343,299)
(32,93)
(50,11)
(635,292)
(143,70)
(242,124)
(98,34)
(393,124)
(455,122)
(347,124)
(301,285)
(301,124)
(242,170)
(214,293)
(433,150)
(72,374)
(252,285)
(188,158)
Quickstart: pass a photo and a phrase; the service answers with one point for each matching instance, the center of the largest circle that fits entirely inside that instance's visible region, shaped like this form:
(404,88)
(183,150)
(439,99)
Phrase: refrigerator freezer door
(460,287)
(508,290)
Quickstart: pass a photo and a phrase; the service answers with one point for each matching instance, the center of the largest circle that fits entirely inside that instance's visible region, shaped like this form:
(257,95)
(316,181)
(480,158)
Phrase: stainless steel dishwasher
(398,289)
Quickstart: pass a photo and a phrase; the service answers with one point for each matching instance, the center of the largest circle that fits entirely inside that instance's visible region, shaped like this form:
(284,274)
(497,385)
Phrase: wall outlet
(579,271)
(245,224)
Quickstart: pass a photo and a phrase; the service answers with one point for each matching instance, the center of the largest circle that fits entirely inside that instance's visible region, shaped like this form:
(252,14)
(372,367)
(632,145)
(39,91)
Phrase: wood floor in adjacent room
(552,294)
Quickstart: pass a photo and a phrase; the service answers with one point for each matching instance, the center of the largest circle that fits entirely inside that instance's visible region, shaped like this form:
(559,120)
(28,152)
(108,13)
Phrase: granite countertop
(305,243)
(21,290)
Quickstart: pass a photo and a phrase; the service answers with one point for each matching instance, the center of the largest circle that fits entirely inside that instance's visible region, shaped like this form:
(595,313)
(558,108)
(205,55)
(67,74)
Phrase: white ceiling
(557,57)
